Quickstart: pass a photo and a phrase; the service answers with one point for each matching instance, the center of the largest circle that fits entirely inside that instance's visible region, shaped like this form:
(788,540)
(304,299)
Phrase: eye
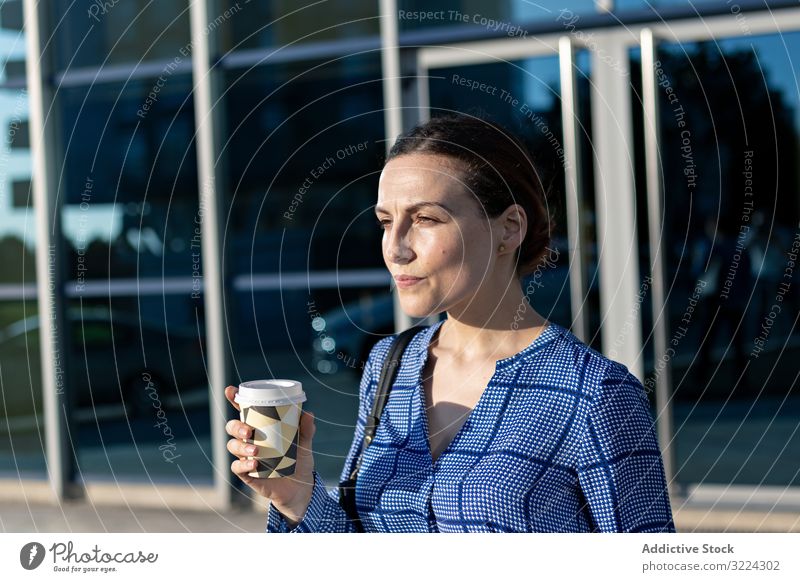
(425,219)
(382,224)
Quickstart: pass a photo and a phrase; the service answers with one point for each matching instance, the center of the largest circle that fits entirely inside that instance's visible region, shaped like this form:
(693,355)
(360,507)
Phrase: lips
(404,281)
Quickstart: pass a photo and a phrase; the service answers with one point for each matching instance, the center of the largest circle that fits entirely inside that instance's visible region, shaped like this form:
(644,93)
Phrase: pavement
(96,516)
(29,506)
(85,517)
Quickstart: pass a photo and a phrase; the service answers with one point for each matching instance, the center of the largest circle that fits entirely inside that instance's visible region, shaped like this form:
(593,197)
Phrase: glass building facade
(186,197)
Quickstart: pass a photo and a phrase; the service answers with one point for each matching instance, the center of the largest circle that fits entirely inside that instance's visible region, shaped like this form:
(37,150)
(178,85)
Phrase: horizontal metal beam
(688,29)
(187,285)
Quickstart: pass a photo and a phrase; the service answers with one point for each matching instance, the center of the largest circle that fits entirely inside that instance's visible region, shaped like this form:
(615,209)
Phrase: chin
(416,308)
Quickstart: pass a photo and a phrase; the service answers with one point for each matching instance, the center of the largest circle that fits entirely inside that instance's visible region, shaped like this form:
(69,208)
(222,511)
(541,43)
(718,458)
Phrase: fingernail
(251,450)
(243,432)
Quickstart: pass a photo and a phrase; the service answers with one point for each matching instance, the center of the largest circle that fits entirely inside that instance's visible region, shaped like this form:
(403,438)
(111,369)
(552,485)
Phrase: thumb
(307,430)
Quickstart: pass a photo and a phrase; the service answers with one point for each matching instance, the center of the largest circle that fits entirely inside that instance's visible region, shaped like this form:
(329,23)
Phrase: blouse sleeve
(325,514)
(620,471)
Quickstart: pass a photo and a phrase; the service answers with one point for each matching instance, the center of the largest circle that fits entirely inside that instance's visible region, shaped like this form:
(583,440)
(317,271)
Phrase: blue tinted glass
(624,5)
(21,422)
(729,125)
(280,23)
(103,32)
(309,289)
(140,388)
(130,178)
(134,320)
(305,150)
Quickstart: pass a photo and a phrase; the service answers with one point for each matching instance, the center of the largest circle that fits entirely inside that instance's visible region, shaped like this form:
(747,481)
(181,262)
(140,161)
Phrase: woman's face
(435,229)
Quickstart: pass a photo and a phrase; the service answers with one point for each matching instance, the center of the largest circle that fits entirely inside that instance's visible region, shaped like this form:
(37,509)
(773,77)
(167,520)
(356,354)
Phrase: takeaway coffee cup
(272,408)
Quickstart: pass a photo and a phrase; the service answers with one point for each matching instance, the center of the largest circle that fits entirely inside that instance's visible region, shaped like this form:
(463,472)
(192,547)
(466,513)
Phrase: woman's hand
(290,495)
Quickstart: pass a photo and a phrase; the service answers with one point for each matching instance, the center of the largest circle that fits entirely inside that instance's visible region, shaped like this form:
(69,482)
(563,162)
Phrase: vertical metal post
(49,275)
(207,127)
(423,90)
(573,187)
(655,204)
(618,249)
(392,112)
(415,109)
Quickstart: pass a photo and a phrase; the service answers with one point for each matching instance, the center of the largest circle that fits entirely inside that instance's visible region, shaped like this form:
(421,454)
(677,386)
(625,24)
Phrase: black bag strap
(388,373)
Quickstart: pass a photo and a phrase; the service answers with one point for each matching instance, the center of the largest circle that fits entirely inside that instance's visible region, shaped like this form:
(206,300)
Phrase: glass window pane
(132,257)
(729,125)
(129,179)
(22,430)
(97,33)
(141,390)
(283,23)
(304,152)
(21,422)
(11,15)
(630,5)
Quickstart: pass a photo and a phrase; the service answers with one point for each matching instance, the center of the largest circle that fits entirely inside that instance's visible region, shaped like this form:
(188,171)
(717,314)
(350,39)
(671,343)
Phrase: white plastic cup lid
(270,393)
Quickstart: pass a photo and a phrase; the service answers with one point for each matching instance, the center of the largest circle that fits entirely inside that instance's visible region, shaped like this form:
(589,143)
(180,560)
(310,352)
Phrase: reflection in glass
(130,180)
(21,418)
(100,33)
(729,128)
(140,386)
(282,23)
(131,218)
(304,153)
(21,426)
(304,156)
(631,5)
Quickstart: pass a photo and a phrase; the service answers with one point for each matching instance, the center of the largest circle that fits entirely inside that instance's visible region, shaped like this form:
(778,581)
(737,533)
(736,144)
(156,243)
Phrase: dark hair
(497,168)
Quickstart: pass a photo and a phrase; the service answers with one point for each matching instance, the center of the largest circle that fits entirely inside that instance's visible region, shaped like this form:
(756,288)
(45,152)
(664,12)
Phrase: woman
(499,420)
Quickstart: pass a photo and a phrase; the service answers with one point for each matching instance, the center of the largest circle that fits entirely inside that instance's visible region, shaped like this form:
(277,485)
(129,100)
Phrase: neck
(491,328)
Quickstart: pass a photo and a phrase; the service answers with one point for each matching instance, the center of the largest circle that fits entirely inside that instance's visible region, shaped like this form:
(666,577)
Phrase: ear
(514,225)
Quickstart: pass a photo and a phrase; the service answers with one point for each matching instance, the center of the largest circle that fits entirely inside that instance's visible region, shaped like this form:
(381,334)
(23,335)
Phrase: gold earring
(501,248)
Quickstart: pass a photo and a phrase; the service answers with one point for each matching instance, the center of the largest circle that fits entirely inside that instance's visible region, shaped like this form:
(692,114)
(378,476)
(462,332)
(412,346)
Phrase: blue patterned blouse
(561,440)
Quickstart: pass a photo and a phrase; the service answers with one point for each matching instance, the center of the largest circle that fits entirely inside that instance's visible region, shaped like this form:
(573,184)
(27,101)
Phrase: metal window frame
(718,28)
(59,459)
(392,114)
(573,188)
(658,269)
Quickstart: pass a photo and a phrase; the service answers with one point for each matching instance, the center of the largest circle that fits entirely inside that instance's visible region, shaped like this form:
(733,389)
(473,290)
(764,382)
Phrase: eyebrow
(417,206)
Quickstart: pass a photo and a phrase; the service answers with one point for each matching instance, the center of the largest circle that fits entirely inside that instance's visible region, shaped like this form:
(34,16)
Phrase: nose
(398,249)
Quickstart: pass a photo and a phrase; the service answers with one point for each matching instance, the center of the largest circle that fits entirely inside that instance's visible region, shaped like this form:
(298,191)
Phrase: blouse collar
(551,332)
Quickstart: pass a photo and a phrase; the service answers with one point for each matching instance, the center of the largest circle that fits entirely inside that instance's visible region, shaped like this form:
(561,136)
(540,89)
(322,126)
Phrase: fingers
(230,393)
(241,449)
(238,429)
(242,468)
